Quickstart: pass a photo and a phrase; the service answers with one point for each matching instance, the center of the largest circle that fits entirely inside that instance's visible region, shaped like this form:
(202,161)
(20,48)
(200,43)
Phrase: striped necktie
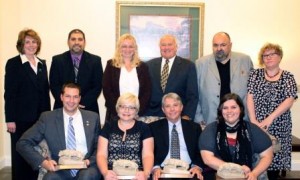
(71,142)
(76,62)
(164,75)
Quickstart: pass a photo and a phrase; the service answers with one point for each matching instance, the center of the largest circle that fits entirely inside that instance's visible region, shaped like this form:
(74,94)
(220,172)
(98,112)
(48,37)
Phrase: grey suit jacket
(51,128)
(209,84)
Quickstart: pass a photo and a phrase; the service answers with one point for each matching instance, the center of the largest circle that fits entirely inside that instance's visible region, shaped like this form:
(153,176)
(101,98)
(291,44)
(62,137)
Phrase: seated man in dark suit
(55,127)
(188,135)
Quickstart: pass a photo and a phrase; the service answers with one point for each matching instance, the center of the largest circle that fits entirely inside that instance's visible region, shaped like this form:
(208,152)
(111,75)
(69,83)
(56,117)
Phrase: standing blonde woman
(271,94)
(125,72)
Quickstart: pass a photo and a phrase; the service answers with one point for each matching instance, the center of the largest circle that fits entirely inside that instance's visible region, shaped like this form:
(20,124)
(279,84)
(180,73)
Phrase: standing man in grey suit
(220,73)
(53,126)
(77,66)
(180,78)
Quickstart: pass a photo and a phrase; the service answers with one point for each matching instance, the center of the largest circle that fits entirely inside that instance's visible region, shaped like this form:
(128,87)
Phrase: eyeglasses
(264,56)
(129,108)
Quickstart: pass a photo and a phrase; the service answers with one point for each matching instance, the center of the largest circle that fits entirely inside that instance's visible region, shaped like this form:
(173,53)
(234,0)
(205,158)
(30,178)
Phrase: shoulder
(153,61)
(14,61)
(157,124)
(205,59)
(91,56)
(183,60)
(62,55)
(240,55)
(89,113)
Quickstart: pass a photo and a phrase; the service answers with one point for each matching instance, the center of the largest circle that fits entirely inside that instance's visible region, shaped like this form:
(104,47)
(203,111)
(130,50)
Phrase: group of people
(220,93)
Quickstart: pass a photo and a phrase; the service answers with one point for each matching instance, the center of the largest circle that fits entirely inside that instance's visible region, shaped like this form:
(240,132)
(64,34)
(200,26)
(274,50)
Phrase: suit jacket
(182,80)
(111,89)
(89,78)
(191,133)
(26,93)
(51,128)
(209,83)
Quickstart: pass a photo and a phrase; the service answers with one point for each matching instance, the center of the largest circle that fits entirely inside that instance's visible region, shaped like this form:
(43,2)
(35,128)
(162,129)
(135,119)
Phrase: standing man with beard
(80,67)
(220,73)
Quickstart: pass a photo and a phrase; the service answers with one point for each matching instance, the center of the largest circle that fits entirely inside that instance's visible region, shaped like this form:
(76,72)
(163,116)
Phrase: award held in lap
(70,159)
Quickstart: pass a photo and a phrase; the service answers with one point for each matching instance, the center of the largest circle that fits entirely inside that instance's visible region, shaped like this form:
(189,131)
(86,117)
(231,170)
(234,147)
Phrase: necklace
(266,72)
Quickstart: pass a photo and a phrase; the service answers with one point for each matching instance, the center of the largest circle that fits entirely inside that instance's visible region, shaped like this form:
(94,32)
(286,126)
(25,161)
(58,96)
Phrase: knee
(91,173)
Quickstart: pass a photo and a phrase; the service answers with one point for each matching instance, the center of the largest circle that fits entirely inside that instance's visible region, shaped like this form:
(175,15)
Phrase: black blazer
(111,89)
(26,93)
(89,78)
(191,133)
(182,80)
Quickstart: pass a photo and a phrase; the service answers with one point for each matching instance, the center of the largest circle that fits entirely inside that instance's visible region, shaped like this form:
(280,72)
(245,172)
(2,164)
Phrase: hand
(196,171)
(156,173)
(110,175)
(251,176)
(81,106)
(11,127)
(266,123)
(186,117)
(49,165)
(87,162)
(140,175)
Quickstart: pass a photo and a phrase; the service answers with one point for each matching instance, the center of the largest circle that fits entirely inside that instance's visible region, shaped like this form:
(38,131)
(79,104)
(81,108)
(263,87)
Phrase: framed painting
(148,21)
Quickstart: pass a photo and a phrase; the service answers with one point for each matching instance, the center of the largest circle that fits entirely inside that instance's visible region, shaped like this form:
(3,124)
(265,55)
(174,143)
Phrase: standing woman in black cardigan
(26,96)
(125,72)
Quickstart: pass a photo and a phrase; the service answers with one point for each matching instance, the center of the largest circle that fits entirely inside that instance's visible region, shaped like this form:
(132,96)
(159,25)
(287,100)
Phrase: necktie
(175,148)
(76,67)
(164,75)
(71,142)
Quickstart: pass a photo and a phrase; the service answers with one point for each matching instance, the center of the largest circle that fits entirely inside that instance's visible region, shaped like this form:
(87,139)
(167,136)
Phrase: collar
(24,59)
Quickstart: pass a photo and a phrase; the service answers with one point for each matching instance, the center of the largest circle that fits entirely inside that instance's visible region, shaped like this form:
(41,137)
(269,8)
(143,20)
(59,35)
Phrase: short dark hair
(21,40)
(70,85)
(237,99)
(76,31)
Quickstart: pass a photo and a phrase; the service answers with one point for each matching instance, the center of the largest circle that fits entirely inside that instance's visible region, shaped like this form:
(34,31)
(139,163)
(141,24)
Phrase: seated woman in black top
(126,139)
(231,139)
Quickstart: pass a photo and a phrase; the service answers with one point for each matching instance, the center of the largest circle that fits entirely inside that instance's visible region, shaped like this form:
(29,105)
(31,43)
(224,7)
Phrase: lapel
(165,133)
(233,67)
(59,120)
(173,73)
(187,136)
(157,72)
(68,63)
(212,66)
(29,71)
(87,129)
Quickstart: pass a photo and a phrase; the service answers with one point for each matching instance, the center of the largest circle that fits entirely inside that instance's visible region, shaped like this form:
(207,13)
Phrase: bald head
(221,46)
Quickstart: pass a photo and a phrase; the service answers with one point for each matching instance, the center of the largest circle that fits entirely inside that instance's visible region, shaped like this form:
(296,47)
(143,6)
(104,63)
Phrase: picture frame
(148,21)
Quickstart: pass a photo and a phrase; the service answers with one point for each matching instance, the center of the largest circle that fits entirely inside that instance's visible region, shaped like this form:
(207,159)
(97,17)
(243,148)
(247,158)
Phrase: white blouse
(129,81)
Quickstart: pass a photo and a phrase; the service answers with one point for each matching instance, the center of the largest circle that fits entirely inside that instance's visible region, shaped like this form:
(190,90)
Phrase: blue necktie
(71,142)
(175,147)
(76,67)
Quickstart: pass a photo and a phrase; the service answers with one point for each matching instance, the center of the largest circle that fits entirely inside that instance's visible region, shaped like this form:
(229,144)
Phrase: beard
(220,55)
(76,49)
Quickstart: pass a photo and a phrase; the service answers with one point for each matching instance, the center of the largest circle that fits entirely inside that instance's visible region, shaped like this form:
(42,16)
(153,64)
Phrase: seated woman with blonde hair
(126,139)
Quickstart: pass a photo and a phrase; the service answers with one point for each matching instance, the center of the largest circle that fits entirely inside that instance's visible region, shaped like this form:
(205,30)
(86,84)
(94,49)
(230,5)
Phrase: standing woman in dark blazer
(26,96)
(125,73)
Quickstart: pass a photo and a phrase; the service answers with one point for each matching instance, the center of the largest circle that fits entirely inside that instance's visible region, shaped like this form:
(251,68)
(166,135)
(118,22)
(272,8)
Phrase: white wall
(250,24)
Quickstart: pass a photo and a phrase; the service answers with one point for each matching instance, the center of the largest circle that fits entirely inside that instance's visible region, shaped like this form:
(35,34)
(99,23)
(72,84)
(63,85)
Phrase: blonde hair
(128,98)
(269,46)
(117,60)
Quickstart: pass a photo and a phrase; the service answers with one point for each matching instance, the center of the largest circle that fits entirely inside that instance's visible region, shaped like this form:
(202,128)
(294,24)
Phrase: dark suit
(51,128)
(111,89)
(89,78)
(26,97)
(191,133)
(182,81)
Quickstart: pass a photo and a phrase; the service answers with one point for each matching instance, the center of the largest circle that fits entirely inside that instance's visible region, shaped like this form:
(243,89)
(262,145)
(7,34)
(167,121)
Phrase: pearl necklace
(266,73)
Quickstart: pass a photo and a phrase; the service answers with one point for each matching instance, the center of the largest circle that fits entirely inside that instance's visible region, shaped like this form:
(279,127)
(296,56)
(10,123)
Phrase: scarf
(241,153)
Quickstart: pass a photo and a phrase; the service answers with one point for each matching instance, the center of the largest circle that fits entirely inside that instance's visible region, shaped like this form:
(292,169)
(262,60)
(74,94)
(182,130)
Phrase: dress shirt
(25,59)
(184,154)
(79,131)
(171,60)
(129,81)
